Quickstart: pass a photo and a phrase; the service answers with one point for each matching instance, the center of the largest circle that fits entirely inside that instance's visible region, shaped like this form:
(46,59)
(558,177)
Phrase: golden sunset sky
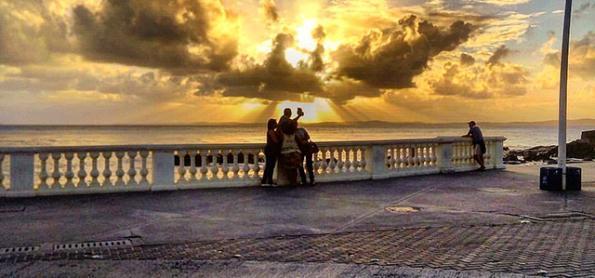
(189,61)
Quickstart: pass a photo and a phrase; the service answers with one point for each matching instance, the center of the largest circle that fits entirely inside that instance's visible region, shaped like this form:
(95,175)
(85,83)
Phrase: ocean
(518,136)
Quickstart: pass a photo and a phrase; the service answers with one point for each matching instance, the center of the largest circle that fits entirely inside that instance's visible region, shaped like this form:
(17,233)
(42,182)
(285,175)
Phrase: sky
(210,61)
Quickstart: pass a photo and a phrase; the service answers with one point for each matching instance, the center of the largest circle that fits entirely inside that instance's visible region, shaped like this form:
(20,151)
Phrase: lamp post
(563,93)
(562,177)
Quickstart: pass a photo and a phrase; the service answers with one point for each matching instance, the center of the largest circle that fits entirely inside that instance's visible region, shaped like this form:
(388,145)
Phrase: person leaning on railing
(479,145)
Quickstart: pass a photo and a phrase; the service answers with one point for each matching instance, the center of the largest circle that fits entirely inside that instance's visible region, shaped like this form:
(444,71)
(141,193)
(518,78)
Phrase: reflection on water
(518,137)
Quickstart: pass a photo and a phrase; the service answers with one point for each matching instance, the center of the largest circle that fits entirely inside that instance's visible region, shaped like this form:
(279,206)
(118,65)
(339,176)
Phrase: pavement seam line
(384,205)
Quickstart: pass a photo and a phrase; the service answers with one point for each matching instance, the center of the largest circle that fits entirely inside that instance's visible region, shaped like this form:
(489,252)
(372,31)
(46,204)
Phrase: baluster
(348,159)
(144,172)
(256,164)
(418,152)
(400,157)
(225,168)
(340,162)
(467,150)
(82,174)
(203,165)
(470,152)
(458,155)
(94,169)
(325,164)
(182,167)
(362,163)
(56,174)
(132,167)
(426,158)
(246,167)
(69,174)
(392,160)
(236,167)
(43,173)
(409,156)
(333,162)
(107,172)
(215,165)
(193,170)
(120,168)
(316,162)
(428,155)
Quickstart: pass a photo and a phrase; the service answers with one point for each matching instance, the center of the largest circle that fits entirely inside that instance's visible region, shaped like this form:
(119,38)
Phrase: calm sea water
(518,137)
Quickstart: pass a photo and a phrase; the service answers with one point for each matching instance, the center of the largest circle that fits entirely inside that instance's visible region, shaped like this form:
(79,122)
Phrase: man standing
(308,148)
(286,119)
(479,146)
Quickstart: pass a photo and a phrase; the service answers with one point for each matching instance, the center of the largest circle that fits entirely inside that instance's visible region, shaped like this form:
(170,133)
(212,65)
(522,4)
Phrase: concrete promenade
(495,223)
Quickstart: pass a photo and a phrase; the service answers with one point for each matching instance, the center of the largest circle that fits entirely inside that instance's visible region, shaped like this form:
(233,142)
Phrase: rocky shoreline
(579,150)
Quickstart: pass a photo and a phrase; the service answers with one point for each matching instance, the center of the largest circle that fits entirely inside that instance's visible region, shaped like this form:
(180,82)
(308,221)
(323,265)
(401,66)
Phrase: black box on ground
(550,178)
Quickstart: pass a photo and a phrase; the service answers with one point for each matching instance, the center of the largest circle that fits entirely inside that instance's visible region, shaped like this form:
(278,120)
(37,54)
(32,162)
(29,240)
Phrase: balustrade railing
(35,171)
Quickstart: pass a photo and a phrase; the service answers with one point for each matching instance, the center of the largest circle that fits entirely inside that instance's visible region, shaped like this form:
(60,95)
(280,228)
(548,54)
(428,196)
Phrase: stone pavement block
(552,244)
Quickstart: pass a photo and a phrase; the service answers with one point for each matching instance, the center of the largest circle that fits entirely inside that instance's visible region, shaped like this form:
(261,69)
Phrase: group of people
(288,146)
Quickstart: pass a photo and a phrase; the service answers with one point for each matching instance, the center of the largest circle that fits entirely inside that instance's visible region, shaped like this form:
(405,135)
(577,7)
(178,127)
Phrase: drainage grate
(22,249)
(93,244)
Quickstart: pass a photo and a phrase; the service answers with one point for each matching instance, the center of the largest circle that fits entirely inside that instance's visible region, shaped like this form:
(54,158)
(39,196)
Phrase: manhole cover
(402,209)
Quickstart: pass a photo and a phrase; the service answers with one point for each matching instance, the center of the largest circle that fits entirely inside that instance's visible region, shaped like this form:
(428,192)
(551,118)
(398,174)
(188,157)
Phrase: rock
(540,153)
(578,149)
(588,136)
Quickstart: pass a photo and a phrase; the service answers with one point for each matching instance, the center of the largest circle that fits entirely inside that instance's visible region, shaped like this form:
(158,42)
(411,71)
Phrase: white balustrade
(34,171)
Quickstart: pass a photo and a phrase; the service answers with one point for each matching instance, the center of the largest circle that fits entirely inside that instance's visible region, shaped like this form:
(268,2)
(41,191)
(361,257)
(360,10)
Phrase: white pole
(563,93)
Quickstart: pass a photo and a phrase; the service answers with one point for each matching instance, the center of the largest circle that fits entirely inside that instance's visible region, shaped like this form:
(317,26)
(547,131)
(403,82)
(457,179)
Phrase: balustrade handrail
(165,147)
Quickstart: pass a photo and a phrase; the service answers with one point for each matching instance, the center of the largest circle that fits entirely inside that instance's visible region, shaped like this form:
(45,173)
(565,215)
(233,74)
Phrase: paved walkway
(496,221)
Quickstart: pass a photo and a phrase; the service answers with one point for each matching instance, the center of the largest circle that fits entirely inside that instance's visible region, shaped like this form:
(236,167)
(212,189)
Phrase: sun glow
(304,35)
(294,56)
(318,110)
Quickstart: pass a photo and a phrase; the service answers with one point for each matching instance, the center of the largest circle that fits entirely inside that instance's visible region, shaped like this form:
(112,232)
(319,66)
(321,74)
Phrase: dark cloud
(141,86)
(275,79)
(169,34)
(383,59)
(269,8)
(392,57)
(29,33)
(467,60)
(316,61)
(498,55)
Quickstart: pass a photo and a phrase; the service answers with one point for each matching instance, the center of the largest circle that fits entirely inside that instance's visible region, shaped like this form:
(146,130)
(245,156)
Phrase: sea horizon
(519,136)
(570,123)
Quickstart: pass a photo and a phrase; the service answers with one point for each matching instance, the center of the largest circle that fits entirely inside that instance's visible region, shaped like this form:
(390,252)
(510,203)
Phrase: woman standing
(271,152)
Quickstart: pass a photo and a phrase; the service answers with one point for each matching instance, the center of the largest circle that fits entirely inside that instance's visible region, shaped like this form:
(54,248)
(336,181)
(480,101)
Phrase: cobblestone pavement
(559,247)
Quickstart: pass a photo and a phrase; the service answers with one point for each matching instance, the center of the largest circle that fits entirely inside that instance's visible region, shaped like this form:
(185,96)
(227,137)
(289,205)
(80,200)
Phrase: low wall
(38,171)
